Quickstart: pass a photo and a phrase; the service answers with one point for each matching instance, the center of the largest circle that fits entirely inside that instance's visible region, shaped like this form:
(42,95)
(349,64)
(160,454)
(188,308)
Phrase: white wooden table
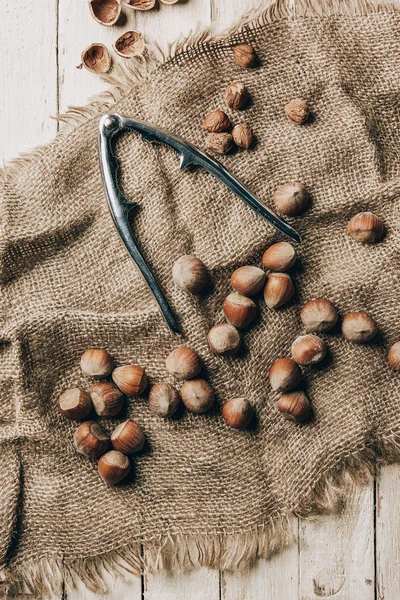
(354,556)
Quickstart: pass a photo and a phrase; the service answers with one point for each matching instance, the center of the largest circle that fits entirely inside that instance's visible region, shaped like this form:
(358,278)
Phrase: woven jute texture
(201,493)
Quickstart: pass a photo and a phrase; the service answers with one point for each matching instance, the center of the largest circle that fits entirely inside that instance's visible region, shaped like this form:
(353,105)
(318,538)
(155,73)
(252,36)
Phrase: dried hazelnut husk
(295,406)
(366,228)
(130,43)
(128,437)
(217,122)
(394,356)
(236,95)
(284,375)
(224,339)
(279,257)
(140,4)
(75,404)
(239,310)
(164,399)
(91,440)
(245,55)
(96,59)
(291,199)
(308,349)
(190,274)
(183,362)
(169,1)
(297,111)
(107,399)
(131,379)
(113,467)
(248,280)
(197,395)
(359,327)
(237,413)
(243,135)
(221,143)
(105,12)
(96,363)
(278,290)
(319,315)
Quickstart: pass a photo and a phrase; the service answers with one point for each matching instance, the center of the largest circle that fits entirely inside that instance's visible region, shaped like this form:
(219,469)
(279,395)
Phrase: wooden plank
(388,533)
(199,584)
(129,588)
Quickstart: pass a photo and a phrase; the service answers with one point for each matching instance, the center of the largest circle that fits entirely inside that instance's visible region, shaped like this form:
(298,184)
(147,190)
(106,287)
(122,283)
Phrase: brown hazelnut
(394,356)
(131,379)
(107,399)
(239,310)
(130,43)
(245,55)
(308,349)
(75,404)
(190,274)
(295,406)
(90,439)
(164,399)
(183,363)
(359,327)
(237,412)
(96,58)
(221,143)
(128,437)
(284,375)
(96,363)
(236,95)
(366,228)
(243,135)
(319,315)
(279,257)
(224,339)
(278,290)
(297,111)
(197,395)
(291,199)
(114,467)
(105,12)
(248,280)
(217,122)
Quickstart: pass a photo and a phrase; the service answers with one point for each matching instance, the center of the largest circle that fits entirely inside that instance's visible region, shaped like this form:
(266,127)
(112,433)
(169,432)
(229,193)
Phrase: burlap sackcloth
(202,493)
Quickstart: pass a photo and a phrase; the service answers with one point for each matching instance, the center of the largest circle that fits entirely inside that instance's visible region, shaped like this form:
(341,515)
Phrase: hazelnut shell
(128,437)
(359,327)
(96,363)
(131,379)
(107,399)
(164,399)
(96,59)
(224,339)
(237,413)
(130,43)
(366,228)
(90,439)
(279,257)
(394,356)
(75,404)
(295,406)
(319,315)
(183,362)
(113,467)
(239,310)
(308,349)
(278,290)
(248,280)
(105,12)
(190,274)
(197,395)
(284,375)
(291,199)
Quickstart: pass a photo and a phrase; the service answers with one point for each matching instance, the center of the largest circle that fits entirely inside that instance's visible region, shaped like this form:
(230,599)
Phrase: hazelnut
(107,399)
(217,122)
(164,399)
(294,406)
(131,379)
(308,349)
(248,280)
(236,95)
(75,404)
(284,375)
(197,395)
(224,339)
(278,290)
(243,135)
(394,356)
(359,327)
(113,467)
(183,363)
(297,111)
(90,439)
(279,257)
(190,274)
(239,310)
(366,228)
(291,199)
(237,412)
(245,56)
(221,143)
(96,363)
(319,315)
(128,437)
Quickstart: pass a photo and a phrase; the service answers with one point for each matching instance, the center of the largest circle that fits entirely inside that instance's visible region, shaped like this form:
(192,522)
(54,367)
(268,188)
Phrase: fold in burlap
(202,493)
